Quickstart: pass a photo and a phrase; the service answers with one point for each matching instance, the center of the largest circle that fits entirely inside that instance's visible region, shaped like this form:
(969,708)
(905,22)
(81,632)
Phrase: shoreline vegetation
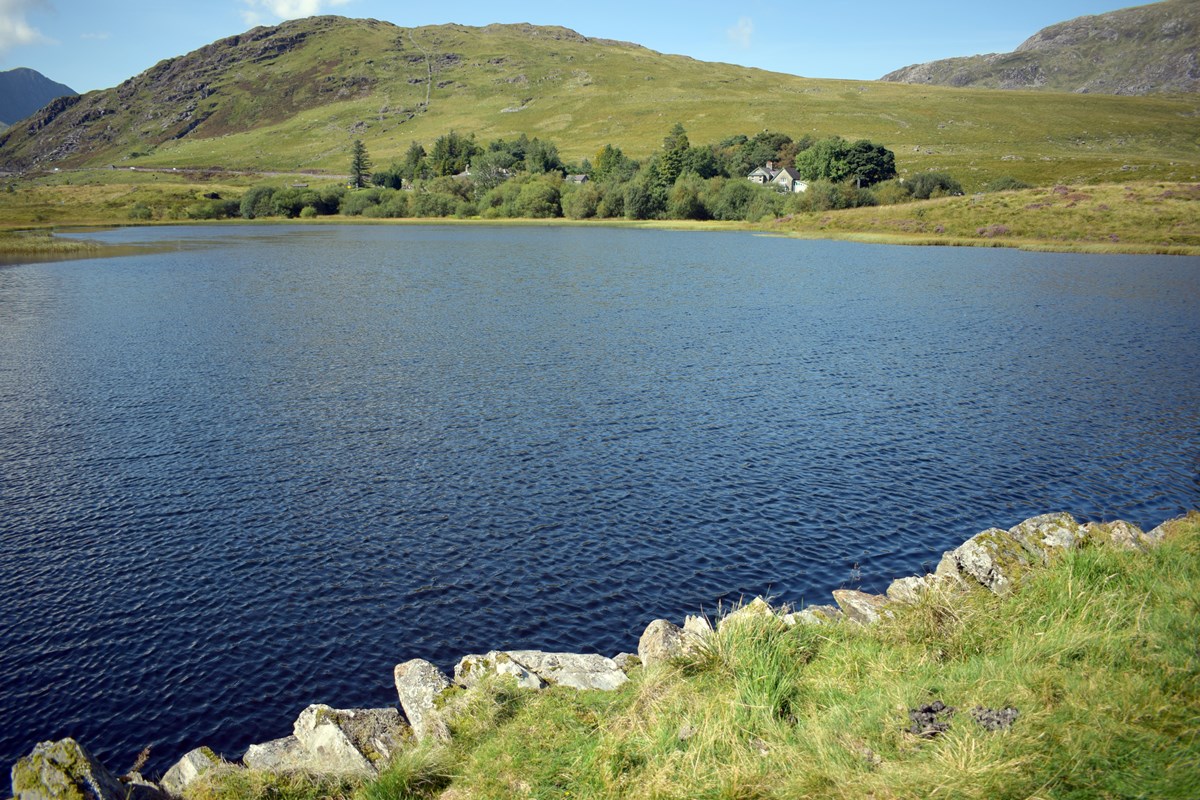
(1053,659)
(1151,218)
(770,183)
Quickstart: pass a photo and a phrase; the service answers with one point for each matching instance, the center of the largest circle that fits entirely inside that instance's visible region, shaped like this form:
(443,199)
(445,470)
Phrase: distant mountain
(1135,51)
(23,91)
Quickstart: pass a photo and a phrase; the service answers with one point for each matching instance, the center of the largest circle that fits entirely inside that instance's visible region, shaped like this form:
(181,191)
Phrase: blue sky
(96,44)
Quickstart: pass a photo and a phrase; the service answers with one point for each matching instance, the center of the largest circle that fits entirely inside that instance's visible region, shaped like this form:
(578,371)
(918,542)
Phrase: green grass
(302,109)
(1116,218)
(1099,653)
(41,244)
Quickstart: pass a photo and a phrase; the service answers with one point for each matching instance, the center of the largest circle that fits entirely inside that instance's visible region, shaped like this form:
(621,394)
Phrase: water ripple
(259,471)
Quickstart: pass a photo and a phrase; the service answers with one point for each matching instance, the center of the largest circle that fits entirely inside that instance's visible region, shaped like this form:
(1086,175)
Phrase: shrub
(612,200)
(501,201)
(889,193)
(581,202)
(684,200)
(308,212)
(434,204)
(639,201)
(257,202)
(925,185)
(539,199)
(358,201)
(140,211)
(734,199)
(1005,183)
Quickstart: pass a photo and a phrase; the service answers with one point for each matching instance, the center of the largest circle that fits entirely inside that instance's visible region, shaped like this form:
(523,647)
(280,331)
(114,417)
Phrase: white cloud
(742,33)
(259,11)
(14,29)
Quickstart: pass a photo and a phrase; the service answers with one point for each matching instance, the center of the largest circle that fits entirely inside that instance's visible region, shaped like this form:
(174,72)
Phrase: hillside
(1135,51)
(23,91)
(294,97)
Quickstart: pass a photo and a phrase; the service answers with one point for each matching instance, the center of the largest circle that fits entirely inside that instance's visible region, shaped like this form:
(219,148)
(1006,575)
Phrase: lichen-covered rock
(1045,535)
(908,591)
(187,769)
(419,684)
(573,670)
(758,608)
(813,615)
(349,741)
(277,755)
(471,669)
(947,574)
(663,641)
(65,770)
(698,625)
(626,662)
(860,607)
(1158,533)
(535,669)
(993,558)
(1120,534)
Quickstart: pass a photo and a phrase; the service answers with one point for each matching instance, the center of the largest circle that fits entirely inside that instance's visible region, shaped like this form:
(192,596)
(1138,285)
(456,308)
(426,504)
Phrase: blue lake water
(258,468)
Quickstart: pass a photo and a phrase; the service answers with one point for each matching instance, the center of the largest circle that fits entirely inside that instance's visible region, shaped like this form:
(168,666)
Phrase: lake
(259,466)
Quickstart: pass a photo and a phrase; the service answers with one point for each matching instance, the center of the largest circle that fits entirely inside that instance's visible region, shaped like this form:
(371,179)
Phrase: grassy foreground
(1098,653)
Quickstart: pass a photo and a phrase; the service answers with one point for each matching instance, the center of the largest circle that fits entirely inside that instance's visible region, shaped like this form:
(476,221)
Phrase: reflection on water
(258,469)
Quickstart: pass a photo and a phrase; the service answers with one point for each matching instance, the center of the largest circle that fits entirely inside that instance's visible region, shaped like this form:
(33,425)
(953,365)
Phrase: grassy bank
(1113,218)
(42,244)
(1097,653)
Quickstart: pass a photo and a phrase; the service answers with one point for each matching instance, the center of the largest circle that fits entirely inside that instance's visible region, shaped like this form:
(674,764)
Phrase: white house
(785,179)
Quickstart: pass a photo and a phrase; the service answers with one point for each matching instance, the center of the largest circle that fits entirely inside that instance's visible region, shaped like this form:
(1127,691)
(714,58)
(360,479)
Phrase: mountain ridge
(1141,50)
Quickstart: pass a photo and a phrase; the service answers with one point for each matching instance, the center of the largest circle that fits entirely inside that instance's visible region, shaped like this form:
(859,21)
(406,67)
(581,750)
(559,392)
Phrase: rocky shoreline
(358,743)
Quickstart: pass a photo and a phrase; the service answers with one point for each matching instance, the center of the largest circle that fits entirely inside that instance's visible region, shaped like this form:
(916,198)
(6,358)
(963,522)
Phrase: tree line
(527,177)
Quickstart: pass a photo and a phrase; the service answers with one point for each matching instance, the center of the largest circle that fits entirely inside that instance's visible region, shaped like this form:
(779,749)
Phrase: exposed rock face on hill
(271,75)
(1134,51)
(23,91)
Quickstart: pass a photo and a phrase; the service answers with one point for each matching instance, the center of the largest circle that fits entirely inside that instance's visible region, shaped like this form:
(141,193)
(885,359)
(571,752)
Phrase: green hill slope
(294,97)
(1134,51)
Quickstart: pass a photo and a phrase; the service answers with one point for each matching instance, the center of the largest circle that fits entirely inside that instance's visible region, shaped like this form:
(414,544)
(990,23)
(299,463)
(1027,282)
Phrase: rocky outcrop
(663,641)
(860,607)
(419,684)
(277,755)
(534,669)
(354,742)
(187,769)
(65,770)
(1134,51)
